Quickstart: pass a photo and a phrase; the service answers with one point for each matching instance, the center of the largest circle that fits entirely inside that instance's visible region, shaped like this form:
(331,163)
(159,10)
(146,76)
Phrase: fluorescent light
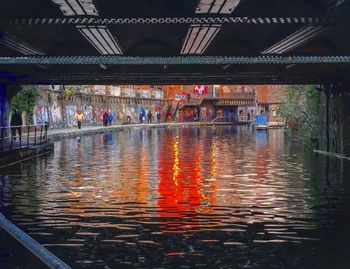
(110,39)
(77,7)
(92,39)
(190,37)
(198,38)
(14,43)
(208,39)
(217,6)
(101,39)
(296,39)
(229,6)
(204,6)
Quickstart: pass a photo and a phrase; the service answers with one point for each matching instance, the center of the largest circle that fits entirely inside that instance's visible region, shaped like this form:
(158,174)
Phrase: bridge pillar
(335,119)
(4,104)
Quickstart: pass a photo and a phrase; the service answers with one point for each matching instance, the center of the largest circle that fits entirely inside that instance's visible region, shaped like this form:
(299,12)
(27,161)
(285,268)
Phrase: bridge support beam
(335,119)
(4,104)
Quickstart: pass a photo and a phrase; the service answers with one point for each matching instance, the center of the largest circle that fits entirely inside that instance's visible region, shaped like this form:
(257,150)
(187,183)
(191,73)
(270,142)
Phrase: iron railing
(12,137)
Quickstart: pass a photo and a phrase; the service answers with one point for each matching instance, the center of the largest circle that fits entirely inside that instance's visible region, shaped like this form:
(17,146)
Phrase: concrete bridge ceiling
(174,41)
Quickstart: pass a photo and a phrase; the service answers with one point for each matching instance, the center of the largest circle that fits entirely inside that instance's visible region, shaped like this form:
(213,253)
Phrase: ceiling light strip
(101,40)
(297,43)
(200,36)
(66,8)
(92,43)
(298,33)
(189,31)
(201,50)
(11,46)
(76,7)
(229,6)
(192,36)
(204,6)
(88,7)
(217,6)
(17,46)
(92,39)
(296,38)
(110,40)
(114,41)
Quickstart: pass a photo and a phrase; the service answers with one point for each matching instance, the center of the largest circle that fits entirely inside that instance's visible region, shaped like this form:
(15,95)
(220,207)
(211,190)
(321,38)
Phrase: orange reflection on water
(182,187)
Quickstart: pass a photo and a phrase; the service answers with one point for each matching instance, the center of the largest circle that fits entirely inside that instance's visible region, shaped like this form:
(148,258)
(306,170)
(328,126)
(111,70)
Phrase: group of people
(142,117)
(107,118)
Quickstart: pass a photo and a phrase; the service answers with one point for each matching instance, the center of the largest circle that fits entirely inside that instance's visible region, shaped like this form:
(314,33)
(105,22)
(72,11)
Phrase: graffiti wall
(230,113)
(57,118)
(60,112)
(189,114)
(207,112)
(41,114)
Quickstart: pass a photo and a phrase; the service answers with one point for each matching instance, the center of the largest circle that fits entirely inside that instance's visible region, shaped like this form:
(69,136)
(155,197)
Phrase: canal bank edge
(89,130)
(11,157)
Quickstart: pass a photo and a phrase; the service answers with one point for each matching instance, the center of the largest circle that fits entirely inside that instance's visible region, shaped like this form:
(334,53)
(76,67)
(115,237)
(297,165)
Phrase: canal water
(192,197)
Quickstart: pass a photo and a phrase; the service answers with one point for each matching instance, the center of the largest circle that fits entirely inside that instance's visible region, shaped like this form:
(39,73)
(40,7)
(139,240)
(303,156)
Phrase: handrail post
(20,138)
(28,136)
(2,140)
(41,133)
(46,127)
(34,135)
(11,137)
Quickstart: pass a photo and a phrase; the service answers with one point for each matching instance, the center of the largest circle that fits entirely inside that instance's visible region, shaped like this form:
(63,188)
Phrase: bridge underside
(175,41)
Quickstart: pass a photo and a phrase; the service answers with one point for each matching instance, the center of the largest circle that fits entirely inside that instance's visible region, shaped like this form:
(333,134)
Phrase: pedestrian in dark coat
(16,124)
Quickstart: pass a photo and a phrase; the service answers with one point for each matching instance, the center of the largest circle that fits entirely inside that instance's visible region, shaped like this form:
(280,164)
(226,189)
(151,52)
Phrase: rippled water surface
(208,197)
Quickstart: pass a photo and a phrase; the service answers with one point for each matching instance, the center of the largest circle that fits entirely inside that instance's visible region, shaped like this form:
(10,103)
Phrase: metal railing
(12,137)
(246,118)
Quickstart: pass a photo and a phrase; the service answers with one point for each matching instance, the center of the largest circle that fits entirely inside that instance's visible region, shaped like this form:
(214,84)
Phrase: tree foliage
(25,101)
(301,111)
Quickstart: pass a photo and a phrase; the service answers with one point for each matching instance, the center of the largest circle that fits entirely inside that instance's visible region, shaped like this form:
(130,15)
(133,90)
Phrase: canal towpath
(55,134)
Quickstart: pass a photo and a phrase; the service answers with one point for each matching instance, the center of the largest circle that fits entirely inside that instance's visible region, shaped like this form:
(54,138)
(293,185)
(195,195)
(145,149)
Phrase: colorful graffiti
(57,119)
(71,110)
(230,113)
(41,115)
(207,113)
(87,111)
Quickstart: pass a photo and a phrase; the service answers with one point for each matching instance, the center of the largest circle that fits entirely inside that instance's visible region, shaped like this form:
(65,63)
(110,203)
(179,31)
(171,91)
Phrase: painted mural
(88,113)
(41,114)
(189,114)
(57,119)
(71,110)
(207,113)
(230,113)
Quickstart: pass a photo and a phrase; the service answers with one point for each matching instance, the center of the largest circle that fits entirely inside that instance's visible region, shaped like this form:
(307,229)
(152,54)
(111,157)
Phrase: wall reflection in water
(172,196)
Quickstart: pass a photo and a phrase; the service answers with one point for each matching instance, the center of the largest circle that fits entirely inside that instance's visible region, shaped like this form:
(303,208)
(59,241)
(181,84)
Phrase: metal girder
(180,60)
(172,20)
(182,78)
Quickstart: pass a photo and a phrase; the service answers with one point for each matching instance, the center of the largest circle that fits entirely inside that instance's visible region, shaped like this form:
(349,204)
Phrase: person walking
(141,118)
(105,118)
(149,117)
(16,125)
(110,119)
(158,117)
(79,116)
(129,118)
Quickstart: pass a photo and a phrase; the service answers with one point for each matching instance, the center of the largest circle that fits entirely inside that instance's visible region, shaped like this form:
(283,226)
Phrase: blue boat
(261,122)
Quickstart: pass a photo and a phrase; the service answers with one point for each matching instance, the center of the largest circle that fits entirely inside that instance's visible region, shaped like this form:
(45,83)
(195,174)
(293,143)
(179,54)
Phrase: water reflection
(212,196)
